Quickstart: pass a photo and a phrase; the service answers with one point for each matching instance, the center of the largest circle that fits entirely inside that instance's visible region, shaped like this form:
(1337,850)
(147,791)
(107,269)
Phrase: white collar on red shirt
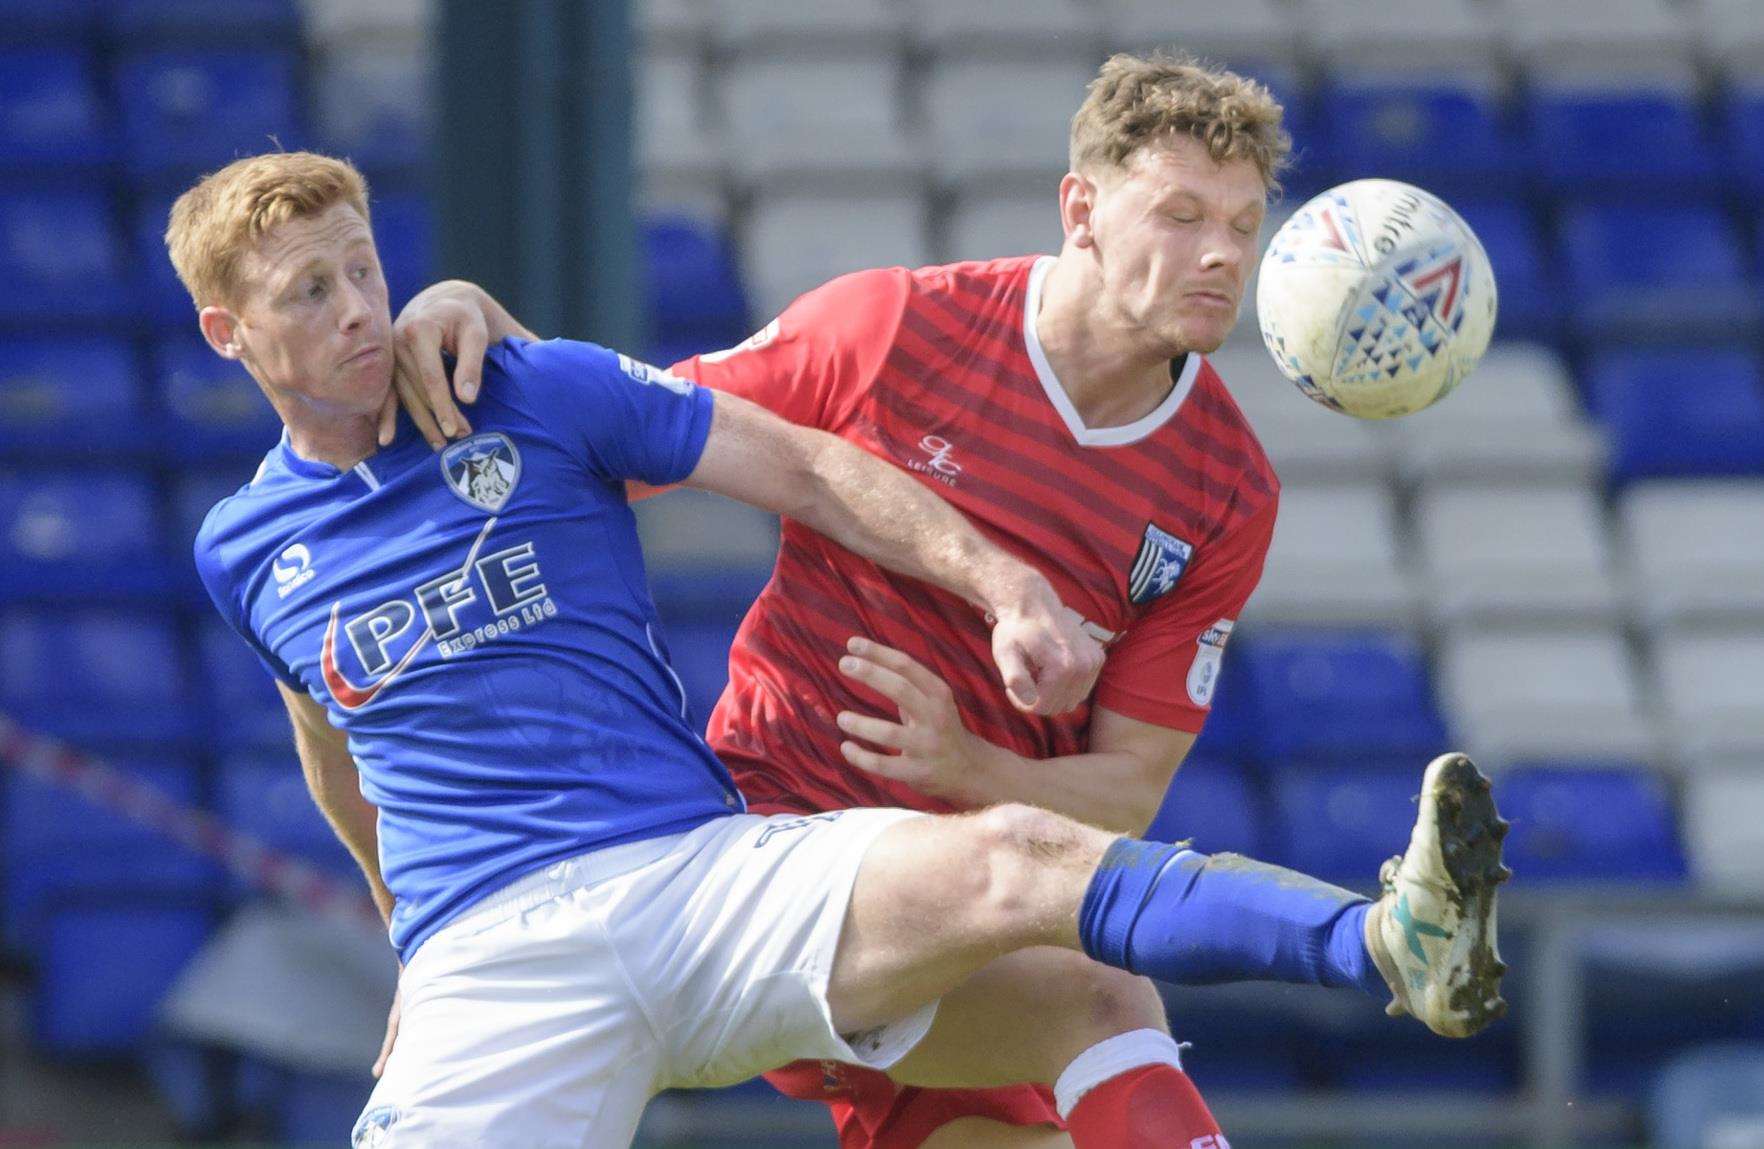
(1056,392)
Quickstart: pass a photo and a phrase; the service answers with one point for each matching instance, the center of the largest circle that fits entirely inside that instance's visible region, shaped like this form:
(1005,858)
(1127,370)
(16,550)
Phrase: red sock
(1151,1107)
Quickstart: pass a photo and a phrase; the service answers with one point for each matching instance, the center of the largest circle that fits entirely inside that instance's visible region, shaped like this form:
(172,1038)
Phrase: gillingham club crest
(482,470)
(1161,560)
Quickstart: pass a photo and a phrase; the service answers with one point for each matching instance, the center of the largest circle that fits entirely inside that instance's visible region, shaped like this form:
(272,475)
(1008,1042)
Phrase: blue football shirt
(478,622)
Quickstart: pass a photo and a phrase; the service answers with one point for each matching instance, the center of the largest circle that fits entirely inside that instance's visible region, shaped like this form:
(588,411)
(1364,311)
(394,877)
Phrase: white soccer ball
(1376,299)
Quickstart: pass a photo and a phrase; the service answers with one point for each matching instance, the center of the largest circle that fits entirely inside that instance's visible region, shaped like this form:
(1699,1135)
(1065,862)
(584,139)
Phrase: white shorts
(549,1013)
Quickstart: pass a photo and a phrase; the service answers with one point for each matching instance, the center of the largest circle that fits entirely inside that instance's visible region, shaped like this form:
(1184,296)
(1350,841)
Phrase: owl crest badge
(482,470)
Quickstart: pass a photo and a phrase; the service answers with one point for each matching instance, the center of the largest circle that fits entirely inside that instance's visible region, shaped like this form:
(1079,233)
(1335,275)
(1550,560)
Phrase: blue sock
(1193,919)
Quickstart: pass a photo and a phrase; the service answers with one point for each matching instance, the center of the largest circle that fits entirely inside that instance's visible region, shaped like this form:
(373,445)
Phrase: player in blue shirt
(585,911)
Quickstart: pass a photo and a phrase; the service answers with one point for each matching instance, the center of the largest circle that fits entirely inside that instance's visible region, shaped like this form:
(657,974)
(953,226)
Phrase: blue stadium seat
(404,233)
(1341,696)
(215,407)
(1233,727)
(1442,135)
(37,23)
(51,115)
(695,298)
(1579,823)
(698,648)
(195,495)
(1662,272)
(1678,411)
(101,678)
(60,259)
(104,968)
(163,298)
(1745,121)
(72,536)
(57,846)
(320,1109)
(1340,823)
(185,111)
(203,22)
(265,796)
(67,397)
(1585,140)
(246,708)
(1215,803)
(1702,1087)
(1530,297)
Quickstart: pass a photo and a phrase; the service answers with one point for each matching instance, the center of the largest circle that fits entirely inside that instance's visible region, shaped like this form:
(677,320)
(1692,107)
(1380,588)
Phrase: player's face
(315,326)
(1175,235)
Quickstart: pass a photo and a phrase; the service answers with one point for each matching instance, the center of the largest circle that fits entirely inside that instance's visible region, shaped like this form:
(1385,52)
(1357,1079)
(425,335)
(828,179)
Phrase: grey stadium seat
(1239,32)
(989,117)
(807,111)
(1712,687)
(1694,549)
(1306,442)
(1373,37)
(986,225)
(1567,37)
(796,240)
(1034,27)
(1724,826)
(1335,559)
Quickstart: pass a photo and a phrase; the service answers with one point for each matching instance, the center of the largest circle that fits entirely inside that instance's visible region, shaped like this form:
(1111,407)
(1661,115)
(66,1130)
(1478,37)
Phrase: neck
(1109,369)
(342,442)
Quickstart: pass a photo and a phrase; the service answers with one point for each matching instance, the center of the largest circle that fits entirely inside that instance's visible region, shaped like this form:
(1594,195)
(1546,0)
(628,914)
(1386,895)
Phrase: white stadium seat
(1694,549)
(696,528)
(1544,693)
(679,161)
(679,25)
(987,226)
(1057,27)
(1712,687)
(1306,442)
(807,112)
(1732,32)
(1379,38)
(1565,36)
(740,25)
(1516,553)
(1334,560)
(1514,418)
(1239,32)
(989,117)
(349,22)
(1724,827)
(795,241)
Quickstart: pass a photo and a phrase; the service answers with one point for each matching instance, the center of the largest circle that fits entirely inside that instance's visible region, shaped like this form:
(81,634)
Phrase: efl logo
(1211,1141)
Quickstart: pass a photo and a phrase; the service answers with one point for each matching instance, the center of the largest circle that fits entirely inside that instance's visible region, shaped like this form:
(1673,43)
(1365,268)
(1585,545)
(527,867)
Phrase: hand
(1048,662)
(447,317)
(937,754)
(391,1036)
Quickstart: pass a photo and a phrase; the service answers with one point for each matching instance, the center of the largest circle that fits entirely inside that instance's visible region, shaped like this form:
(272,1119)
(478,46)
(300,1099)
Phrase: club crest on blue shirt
(482,469)
(1161,560)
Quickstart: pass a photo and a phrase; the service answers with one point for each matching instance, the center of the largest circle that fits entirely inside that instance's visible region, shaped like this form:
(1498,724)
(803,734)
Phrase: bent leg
(979,1133)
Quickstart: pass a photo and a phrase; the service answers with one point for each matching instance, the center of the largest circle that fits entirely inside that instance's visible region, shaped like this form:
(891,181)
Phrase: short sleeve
(1165,669)
(621,418)
(226,602)
(813,362)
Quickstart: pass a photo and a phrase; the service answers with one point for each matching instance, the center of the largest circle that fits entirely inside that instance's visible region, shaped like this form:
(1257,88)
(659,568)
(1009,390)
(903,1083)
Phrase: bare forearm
(497,320)
(1113,791)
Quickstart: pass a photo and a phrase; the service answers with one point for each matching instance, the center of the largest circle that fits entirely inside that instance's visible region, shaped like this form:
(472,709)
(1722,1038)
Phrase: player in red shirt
(1064,405)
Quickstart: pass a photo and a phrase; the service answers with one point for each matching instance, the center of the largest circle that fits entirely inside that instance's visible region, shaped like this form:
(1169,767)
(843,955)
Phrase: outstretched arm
(880,512)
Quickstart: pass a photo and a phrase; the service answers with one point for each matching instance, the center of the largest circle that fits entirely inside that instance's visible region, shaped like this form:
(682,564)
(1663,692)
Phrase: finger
(884,682)
(878,730)
(887,765)
(386,1048)
(1019,680)
(410,394)
(468,358)
(898,661)
(424,341)
(388,418)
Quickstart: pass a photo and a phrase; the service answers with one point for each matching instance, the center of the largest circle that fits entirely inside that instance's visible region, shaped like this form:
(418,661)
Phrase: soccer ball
(1376,299)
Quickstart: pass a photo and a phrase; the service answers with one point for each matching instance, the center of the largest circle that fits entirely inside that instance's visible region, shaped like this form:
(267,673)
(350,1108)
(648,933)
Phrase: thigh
(517,1035)
(1024,1017)
(979,1133)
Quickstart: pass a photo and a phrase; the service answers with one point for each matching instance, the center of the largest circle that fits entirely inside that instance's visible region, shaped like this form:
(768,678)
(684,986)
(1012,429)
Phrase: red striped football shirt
(1155,532)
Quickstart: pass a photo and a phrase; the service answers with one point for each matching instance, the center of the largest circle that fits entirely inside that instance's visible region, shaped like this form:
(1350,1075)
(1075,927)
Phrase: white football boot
(1432,934)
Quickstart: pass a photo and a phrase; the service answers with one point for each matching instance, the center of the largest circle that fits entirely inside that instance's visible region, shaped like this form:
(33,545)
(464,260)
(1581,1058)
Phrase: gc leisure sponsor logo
(292,570)
(1203,674)
(938,461)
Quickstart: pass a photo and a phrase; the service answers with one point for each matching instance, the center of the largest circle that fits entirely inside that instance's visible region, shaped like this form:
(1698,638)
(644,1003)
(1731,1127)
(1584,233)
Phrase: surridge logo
(292,569)
(384,641)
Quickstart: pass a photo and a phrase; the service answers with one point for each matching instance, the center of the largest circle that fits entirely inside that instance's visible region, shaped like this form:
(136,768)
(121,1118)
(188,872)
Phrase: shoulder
(234,533)
(1002,281)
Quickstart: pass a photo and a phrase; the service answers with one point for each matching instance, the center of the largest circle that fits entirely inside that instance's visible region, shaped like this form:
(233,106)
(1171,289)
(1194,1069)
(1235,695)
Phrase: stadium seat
(987,223)
(698,649)
(1215,803)
(1509,552)
(264,796)
(119,676)
(38,23)
(80,536)
(1002,117)
(105,966)
(1745,127)
(60,261)
(194,494)
(1710,684)
(202,21)
(1340,696)
(1259,30)
(1334,560)
(1665,273)
(1444,136)
(1679,411)
(214,405)
(1340,823)
(185,110)
(244,708)
(1590,822)
(1724,826)
(1441,38)
(835,113)
(320,1109)
(1710,1097)
(163,298)
(78,394)
(681,161)
(1544,693)
(329,23)
(673,25)
(741,25)
(1525,271)
(795,241)
(404,233)
(1598,137)
(707,556)
(371,102)
(972,27)
(695,298)
(1566,37)
(59,846)
(1517,418)
(52,117)
(1306,442)
(1693,550)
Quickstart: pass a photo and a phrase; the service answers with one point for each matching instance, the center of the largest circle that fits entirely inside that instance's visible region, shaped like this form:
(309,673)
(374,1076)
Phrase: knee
(1117,1002)
(1023,858)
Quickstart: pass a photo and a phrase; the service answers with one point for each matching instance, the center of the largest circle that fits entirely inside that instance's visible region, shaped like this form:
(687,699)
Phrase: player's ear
(220,328)
(1077,201)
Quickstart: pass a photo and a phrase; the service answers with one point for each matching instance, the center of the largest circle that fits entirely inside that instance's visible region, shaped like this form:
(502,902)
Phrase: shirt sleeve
(813,363)
(622,418)
(1165,668)
(226,602)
